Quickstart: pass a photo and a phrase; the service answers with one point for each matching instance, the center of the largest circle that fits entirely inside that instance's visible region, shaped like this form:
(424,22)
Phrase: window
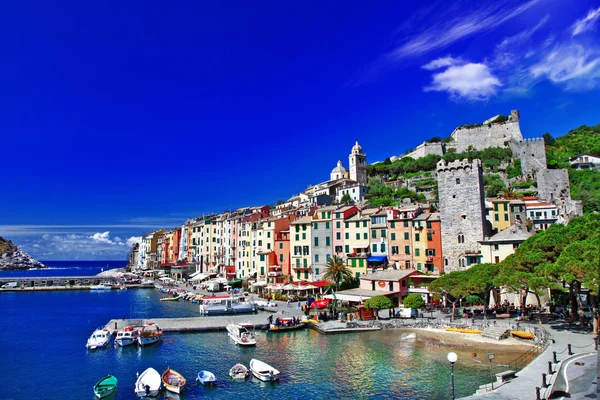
(305,263)
(496,259)
(297,228)
(303,227)
(374,234)
(364,224)
(458,181)
(392,224)
(316,271)
(374,248)
(338,224)
(406,224)
(417,237)
(407,250)
(327,241)
(497,217)
(338,236)
(338,215)
(406,265)
(366,236)
(347,225)
(358,236)
(383,233)
(315,225)
(515,245)
(281,245)
(506,217)
(419,266)
(347,235)
(383,247)
(297,236)
(358,224)
(269,234)
(394,249)
(328,257)
(496,247)
(428,224)
(417,252)
(303,236)
(316,258)
(495,206)
(268,246)
(347,248)
(429,236)
(327,225)
(461,238)
(505,206)
(406,236)
(262,270)
(393,236)
(316,241)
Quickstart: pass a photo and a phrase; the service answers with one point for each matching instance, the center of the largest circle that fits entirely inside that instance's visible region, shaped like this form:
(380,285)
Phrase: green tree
(413,300)
(337,271)
(495,188)
(378,303)
(482,281)
(346,199)
(452,286)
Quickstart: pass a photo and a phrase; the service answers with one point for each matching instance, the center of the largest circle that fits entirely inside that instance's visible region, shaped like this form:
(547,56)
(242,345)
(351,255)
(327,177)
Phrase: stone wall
(489,135)
(554,187)
(532,153)
(425,149)
(462,209)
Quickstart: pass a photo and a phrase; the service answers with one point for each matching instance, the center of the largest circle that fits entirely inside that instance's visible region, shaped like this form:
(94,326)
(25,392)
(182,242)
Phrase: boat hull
(105,387)
(238,372)
(125,341)
(464,330)
(173,381)
(148,383)
(147,341)
(206,378)
(522,334)
(274,328)
(263,371)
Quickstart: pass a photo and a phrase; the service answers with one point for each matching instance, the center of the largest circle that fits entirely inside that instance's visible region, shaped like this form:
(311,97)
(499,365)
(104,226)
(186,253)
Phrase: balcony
(301,268)
(274,268)
(358,255)
(273,274)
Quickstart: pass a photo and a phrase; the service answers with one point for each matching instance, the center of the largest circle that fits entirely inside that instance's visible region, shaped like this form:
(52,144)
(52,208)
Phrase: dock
(52,283)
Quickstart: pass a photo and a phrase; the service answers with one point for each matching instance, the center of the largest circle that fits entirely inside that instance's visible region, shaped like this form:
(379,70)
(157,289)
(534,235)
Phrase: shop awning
(377,259)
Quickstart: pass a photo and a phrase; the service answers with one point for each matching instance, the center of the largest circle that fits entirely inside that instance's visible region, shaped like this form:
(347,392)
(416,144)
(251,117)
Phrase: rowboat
(206,378)
(173,381)
(522,334)
(105,386)
(286,324)
(149,334)
(238,371)
(148,383)
(263,371)
(174,298)
(464,330)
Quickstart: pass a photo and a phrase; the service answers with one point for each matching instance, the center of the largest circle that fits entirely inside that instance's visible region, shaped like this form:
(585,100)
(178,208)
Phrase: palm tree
(337,271)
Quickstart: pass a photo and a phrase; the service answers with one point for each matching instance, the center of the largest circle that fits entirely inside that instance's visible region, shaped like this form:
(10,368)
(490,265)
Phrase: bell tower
(358,164)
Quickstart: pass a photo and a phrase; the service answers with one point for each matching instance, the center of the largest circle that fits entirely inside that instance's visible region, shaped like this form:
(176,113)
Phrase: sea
(43,354)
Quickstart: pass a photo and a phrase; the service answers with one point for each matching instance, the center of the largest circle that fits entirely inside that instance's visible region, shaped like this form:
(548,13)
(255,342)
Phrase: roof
(434,217)
(358,294)
(540,204)
(515,233)
(303,220)
(388,275)
(421,217)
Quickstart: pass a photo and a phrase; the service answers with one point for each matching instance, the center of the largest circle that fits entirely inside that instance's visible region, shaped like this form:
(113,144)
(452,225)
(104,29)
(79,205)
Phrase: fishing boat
(105,387)
(263,371)
(148,383)
(522,334)
(286,324)
(100,286)
(127,336)
(173,381)
(241,335)
(99,339)
(149,334)
(238,371)
(464,330)
(224,305)
(206,378)
(173,298)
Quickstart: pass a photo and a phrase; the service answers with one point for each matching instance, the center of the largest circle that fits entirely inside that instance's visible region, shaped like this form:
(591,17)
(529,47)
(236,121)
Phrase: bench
(505,376)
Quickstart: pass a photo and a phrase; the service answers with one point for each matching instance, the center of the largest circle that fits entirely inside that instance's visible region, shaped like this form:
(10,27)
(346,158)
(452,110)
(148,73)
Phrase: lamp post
(491,358)
(452,357)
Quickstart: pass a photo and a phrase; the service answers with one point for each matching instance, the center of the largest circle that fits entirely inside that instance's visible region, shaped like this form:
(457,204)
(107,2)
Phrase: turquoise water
(43,335)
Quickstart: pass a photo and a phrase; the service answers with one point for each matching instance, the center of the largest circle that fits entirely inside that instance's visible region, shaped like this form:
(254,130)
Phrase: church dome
(356,148)
(338,172)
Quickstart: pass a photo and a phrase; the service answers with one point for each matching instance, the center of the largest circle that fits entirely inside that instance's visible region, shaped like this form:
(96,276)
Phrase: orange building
(434,261)
(400,236)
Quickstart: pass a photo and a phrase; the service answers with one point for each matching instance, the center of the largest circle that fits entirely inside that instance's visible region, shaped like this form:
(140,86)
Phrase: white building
(585,161)
(356,191)
(501,245)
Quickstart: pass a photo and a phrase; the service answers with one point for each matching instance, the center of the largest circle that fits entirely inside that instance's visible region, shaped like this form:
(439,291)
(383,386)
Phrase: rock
(14,258)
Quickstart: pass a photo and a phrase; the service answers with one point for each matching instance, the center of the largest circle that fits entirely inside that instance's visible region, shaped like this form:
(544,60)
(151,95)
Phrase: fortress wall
(425,149)
(532,153)
(481,137)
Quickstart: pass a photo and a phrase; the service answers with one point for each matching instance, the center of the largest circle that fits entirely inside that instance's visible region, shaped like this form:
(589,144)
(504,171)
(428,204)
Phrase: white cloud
(587,23)
(573,66)
(103,237)
(132,240)
(507,52)
(442,62)
(469,81)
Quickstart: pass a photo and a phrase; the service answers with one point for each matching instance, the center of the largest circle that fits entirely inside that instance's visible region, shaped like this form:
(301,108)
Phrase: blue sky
(121,117)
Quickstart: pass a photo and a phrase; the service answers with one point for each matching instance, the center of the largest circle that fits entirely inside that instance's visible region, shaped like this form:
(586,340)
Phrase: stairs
(496,333)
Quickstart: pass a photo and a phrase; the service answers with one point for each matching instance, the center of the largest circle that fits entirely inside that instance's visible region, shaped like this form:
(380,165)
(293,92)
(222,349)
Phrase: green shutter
(327,241)
(406,236)
(393,236)
(347,249)
(383,247)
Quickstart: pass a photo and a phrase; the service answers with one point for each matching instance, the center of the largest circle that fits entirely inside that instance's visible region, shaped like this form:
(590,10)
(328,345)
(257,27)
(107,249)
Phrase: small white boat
(238,371)
(241,335)
(101,286)
(148,383)
(127,336)
(263,371)
(173,381)
(206,378)
(149,334)
(100,338)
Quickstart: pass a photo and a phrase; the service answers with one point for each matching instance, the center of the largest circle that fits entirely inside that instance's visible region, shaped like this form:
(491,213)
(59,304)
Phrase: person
(147,387)
(288,303)
(277,322)
(270,320)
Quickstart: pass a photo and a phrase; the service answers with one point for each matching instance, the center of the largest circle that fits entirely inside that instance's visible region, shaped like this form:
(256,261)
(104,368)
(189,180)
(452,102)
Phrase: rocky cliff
(11,257)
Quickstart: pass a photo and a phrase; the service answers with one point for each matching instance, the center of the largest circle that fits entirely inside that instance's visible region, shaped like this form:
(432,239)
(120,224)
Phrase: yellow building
(419,236)
(500,214)
(300,243)
(356,242)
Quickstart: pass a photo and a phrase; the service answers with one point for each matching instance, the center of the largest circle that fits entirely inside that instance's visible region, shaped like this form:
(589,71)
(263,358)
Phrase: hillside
(11,257)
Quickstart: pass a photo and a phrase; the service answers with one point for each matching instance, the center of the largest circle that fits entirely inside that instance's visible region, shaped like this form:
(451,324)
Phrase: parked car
(588,312)
(10,285)
(265,303)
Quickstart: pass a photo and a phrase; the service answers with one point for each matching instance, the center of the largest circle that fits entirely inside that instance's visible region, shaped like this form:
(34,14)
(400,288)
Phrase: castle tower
(462,212)
(358,164)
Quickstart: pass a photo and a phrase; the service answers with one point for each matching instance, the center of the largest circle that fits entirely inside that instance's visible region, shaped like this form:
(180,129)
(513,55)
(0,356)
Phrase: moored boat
(127,336)
(223,305)
(241,335)
(464,330)
(150,333)
(148,383)
(174,298)
(99,339)
(173,381)
(522,334)
(263,371)
(286,324)
(238,371)
(206,378)
(100,286)
(105,387)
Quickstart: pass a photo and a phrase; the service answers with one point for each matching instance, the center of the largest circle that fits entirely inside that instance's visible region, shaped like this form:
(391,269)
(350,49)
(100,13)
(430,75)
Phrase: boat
(174,298)
(206,378)
(99,338)
(464,330)
(241,335)
(173,381)
(286,324)
(323,303)
(100,286)
(105,387)
(149,334)
(263,371)
(238,371)
(223,305)
(127,336)
(522,334)
(148,383)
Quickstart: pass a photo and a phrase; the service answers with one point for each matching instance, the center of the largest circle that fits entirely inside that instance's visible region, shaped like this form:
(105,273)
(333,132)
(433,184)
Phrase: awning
(261,283)
(379,259)
(195,274)
(199,278)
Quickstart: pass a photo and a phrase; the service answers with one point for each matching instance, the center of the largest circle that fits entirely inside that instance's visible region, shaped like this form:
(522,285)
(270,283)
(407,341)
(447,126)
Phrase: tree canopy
(413,300)
(378,303)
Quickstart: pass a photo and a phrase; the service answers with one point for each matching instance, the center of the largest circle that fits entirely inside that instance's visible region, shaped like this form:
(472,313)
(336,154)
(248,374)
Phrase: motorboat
(173,381)
(100,286)
(287,324)
(100,338)
(127,336)
(150,333)
(206,378)
(522,334)
(105,387)
(464,330)
(223,305)
(238,371)
(263,371)
(320,304)
(148,383)
(241,335)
